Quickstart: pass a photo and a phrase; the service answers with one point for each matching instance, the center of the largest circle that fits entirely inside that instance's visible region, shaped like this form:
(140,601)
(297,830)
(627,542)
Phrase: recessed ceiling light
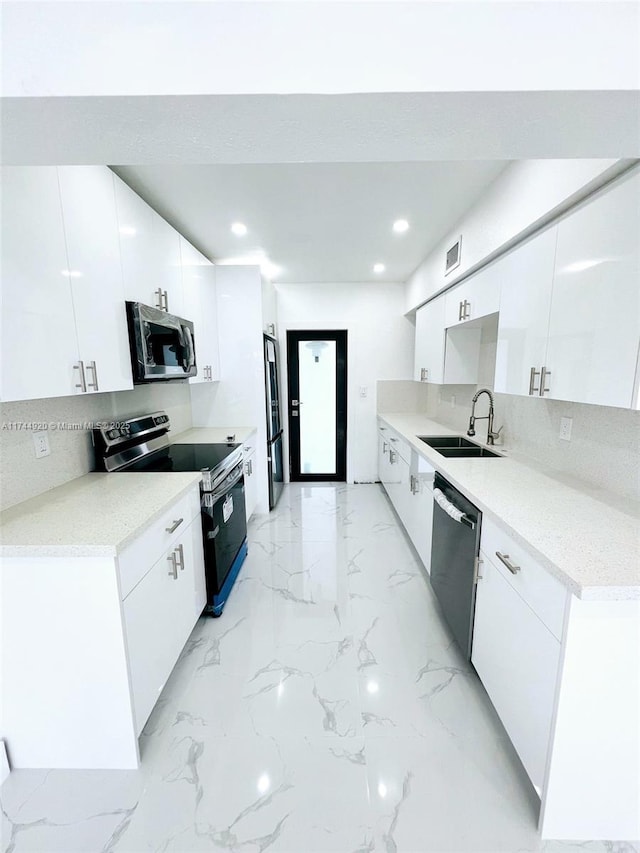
(71,273)
(128,231)
(400,226)
(379,267)
(239,229)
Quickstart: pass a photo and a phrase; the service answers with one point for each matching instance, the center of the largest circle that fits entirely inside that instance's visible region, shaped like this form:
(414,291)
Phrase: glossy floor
(326,711)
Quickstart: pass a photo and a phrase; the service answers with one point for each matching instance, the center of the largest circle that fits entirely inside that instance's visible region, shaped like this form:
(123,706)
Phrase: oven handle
(227,484)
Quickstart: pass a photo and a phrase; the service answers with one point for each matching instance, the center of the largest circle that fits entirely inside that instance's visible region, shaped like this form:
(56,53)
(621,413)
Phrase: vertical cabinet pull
(466,310)
(158,302)
(544,374)
(173,571)
(180,558)
(166,300)
(82,385)
(532,382)
(424,374)
(459,311)
(92,367)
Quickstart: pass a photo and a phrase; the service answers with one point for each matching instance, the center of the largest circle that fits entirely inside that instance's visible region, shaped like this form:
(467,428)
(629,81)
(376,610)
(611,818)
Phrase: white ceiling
(318,222)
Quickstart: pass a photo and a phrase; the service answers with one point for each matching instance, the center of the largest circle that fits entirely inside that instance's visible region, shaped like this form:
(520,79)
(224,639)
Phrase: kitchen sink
(457,447)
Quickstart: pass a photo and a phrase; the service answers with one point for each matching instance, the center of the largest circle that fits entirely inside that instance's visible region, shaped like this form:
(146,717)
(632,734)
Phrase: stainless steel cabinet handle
(424,374)
(504,558)
(173,571)
(158,303)
(465,305)
(82,385)
(166,300)
(532,382)
(385,444)
(460,311)
(393,439)
(180,557)
(250,467)
(92,367)
(174,526)
(392,456)
(544,374)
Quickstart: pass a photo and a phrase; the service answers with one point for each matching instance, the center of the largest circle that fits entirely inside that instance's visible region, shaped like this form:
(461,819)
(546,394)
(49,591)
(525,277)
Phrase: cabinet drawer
(138,557)
(399,446)
(544,594)
(249,445)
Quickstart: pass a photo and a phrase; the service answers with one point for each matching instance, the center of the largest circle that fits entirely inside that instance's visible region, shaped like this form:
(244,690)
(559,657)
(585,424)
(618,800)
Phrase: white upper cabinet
(526,276)
(166,264)
(150,250)
(135,222)
(474,298)
(429,349)
(199,294)
(91,230)
(594,326)
(39,345)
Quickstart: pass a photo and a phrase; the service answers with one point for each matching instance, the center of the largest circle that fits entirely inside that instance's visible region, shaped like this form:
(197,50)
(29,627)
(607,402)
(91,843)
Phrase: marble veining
(326,711)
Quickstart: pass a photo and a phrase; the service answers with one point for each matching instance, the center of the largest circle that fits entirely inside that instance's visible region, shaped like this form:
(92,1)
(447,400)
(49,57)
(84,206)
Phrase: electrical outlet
(41,444)
(363,390)
(565,428)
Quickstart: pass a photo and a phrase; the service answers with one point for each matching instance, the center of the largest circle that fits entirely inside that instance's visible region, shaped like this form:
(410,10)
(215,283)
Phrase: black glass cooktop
(184,457)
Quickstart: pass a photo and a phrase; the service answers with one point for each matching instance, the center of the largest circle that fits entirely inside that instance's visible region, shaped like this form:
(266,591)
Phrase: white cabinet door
(422,507)
(39,344)
(594,327)
(199,306)
(250,483)
(399,488)
(429,349)
(135,220)
(523,325)
(93,248)
(166,264)
(474,298)
(517,660)
(159,614)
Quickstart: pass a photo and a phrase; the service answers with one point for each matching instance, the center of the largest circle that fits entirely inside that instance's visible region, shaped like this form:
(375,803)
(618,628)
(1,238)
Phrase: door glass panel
(317,370)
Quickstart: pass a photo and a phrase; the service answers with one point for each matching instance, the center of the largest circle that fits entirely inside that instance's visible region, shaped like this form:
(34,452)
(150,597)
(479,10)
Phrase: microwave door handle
(190,360)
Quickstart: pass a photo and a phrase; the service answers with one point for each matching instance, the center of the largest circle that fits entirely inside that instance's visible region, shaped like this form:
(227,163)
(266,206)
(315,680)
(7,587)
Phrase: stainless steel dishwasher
(454,559)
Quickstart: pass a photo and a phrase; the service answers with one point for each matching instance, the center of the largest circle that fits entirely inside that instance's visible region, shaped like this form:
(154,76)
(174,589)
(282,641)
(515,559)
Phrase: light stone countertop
(590,545)
(93,516)
(212,435)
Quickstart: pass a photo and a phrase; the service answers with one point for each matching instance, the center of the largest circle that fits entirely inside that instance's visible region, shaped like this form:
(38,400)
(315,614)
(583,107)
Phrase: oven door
(224,523)
(162,345)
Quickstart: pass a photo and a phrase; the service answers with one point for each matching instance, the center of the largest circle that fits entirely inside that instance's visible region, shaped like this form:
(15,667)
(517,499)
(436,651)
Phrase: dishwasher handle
(451,510)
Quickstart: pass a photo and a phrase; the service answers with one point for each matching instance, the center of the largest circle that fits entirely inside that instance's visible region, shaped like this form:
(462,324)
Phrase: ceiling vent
(453,256)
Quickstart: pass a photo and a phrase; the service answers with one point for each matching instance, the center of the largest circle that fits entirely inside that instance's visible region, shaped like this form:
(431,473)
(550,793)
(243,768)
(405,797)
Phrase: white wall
(380,346)
(522,198)
(54,49)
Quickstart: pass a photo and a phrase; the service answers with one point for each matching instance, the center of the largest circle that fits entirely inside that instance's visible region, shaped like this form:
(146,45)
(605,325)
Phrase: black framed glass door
(317,378)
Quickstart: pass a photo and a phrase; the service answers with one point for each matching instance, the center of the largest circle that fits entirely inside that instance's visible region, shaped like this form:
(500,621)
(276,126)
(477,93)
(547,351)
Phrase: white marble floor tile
(327,711)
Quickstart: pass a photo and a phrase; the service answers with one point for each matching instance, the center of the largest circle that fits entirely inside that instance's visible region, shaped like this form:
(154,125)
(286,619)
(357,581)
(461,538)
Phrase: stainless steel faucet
(491,435)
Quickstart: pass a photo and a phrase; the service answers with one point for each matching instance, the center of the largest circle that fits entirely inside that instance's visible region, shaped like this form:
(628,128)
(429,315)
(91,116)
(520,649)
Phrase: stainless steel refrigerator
(274,420)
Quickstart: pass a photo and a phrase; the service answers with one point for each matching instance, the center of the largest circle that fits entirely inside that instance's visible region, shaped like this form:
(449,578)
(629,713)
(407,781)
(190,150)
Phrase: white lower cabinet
(250,483)
(159,614)
(517,658)
(96,671)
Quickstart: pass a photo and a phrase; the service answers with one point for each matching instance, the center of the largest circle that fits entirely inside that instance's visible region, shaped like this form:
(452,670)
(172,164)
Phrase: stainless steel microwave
(162,345)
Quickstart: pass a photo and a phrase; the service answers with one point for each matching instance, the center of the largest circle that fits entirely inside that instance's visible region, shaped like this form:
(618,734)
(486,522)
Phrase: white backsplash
(604,450)
(22,476)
